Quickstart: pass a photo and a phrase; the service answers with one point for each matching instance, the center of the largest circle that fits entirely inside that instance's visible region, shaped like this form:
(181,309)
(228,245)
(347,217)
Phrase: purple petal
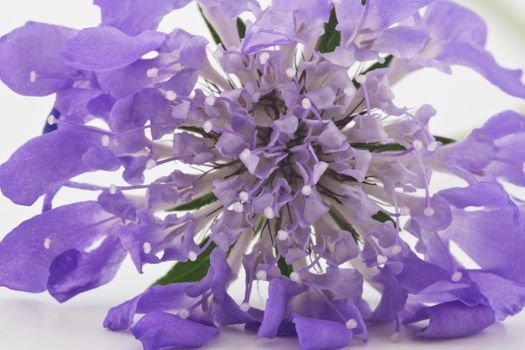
(29,250)
(44,163)
(454,320)
(106,48)
(136,16)
(279,294)
(159,330)
(75,271)
(402,41)
(36,48)
(315,334)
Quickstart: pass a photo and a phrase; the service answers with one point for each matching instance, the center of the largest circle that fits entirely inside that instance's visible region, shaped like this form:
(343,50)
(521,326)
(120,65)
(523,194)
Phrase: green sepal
(377,147)
(197,203)
(383,217)
(286,269)
(241,28)
(189,271)
(331,38)
(444,140)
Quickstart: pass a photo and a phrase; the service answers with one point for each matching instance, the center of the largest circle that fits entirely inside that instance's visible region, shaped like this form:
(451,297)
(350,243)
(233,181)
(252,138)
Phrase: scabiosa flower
(284,159)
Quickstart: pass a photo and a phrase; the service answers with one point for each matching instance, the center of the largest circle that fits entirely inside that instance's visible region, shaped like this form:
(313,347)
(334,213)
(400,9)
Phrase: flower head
(281,152)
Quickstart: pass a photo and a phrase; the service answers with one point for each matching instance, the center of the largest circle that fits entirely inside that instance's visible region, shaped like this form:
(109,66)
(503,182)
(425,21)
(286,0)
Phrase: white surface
(37,322)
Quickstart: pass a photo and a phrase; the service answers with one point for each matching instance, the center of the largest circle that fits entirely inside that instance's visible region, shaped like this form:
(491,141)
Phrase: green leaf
(331,38)
(197,203)
(286,269)
(383,217)
(344,225)
(377,65)
(241,28)
(379,147)
(189,271)
(444,140)
(216,38)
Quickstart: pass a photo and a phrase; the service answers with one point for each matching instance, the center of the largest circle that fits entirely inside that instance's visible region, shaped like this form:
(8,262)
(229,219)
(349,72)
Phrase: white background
(463,101)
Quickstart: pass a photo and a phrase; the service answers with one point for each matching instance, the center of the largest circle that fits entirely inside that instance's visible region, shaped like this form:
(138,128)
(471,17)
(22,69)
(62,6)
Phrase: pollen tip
(146,247)
(210,100)
(429,211)
(306,103)
(264,58)
(361,79)
(32,76)
(261,275)
(351,324)
(51,120)
(295,276)
(47,243)
(306,190)
(456,276)
(152,72)
(192,256)
(244,197)
(381,259)
(238,207)
(245,307)
(282,235)
(207,126)
(184,313)
(151,164)
(396,249)
(170,95)
(269,213)
(433,146)
(291,72)
(112,189)
(418,145)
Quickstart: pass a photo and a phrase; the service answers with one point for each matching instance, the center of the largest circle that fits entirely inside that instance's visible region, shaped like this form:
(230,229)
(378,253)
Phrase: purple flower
(276,160)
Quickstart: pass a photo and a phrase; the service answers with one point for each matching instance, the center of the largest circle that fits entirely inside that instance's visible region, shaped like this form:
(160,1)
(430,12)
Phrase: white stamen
(238,207)
(361,79)
(307,190)
(429,211)
(404,211)
(418,145)
(264,58)
(396,249)
(192,256)
(381,259)
(51,120)
(105,140)
(349,91)
(146,247)
(32,76)
(113,189)
(433,146)
(170,95)
(456,276)
(395,337)
(150,55)
(282,235)
(295,276)
(184,313)
(245,307)
(381,60)
(244,197)
(261,275)
(210,100)
(351,324)
(207,126)
(268,213)
(152,72)
(306,103)
(291,72)
(47,243)
(256,97)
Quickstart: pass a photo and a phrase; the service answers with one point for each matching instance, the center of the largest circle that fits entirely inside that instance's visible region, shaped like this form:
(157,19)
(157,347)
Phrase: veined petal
(316,334)
(106,48)
(31,61)
(29,250)
(160,330)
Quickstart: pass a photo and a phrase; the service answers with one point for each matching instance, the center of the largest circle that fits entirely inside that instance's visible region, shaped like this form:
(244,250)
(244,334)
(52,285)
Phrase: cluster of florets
(284,159)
